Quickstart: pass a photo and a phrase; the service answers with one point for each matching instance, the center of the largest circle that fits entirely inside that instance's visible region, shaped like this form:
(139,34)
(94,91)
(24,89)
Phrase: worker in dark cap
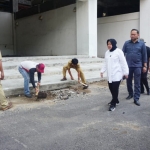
(136,56)
(144,81)
(75,65)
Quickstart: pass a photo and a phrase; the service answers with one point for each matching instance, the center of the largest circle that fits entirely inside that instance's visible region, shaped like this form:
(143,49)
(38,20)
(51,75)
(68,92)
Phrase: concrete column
(14,35)
(145,20)
(87,27)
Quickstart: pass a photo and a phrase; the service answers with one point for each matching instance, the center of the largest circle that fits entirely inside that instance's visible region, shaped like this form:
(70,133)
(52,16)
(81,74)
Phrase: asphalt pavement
(82,122)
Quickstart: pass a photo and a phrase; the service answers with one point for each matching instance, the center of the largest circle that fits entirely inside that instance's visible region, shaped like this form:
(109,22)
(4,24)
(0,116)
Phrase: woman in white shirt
(117,69)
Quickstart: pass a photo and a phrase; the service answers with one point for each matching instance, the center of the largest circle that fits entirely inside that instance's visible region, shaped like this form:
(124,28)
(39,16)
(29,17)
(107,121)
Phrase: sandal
(63,79)
(8,107)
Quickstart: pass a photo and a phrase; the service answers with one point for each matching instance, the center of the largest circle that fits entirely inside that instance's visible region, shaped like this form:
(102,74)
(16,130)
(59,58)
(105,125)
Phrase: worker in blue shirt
(136,56)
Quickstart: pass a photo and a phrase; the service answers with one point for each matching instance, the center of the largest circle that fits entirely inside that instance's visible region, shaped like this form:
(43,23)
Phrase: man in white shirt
(27,69)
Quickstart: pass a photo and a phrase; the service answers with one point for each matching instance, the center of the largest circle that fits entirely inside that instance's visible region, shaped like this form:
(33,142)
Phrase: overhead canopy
(117,7)
(24,8)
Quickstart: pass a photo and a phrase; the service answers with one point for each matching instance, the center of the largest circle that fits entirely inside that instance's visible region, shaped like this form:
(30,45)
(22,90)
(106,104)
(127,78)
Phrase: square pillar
(87,27)
(145,20)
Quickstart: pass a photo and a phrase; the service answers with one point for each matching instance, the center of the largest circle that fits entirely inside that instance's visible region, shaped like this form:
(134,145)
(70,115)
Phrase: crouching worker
(3,101)
(27,69)
(75,65)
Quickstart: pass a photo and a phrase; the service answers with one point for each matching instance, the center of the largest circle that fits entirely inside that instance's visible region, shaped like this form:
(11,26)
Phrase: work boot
(8,107)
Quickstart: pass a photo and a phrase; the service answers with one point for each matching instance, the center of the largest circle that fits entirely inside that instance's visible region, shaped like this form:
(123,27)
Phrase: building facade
(81,28)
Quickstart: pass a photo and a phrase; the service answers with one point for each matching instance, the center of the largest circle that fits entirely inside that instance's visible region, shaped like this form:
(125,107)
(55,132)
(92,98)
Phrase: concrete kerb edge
(44,87)
(49,87)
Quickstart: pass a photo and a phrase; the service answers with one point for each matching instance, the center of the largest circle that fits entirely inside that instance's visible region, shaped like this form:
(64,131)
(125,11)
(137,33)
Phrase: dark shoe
(137,103)
(148,93)
(63,79)
(142,92)
(8,107)
(85,87)
(112,108)
(29,96)
(111,103)
(129,97)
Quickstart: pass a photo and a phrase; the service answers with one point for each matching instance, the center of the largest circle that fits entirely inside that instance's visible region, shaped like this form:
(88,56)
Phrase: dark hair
(75,61)
(135,30)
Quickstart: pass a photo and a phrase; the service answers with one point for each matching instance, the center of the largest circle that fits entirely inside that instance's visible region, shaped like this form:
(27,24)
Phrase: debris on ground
(61,94)
(72,91)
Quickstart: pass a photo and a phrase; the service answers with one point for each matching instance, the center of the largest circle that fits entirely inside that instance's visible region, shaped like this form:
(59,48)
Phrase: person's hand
(144,69)
(38,84)
(101,75)
(2,76)
(72,78)
(126,76)
(36,90)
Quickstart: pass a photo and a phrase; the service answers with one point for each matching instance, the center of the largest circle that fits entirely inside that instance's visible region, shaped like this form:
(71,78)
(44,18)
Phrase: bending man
(27,69)
(75,65)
